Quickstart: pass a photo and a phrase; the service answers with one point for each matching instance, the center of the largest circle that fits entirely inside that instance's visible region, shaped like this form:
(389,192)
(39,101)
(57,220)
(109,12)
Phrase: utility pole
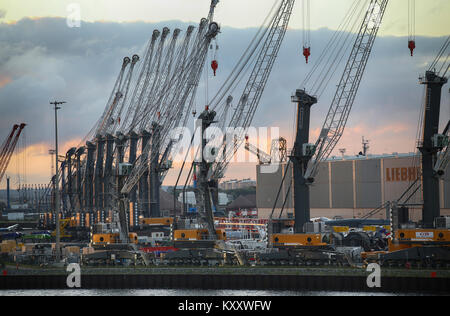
(58,233)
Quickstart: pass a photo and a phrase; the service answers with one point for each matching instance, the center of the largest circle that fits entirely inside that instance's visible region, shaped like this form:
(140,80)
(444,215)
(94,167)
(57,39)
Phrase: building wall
(368,183)
(351,188)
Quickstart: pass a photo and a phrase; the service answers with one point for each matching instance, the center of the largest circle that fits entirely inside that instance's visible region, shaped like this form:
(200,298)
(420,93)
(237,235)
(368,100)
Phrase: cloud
(42,60)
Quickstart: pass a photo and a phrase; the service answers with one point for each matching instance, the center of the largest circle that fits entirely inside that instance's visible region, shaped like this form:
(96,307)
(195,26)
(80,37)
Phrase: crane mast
(429,147)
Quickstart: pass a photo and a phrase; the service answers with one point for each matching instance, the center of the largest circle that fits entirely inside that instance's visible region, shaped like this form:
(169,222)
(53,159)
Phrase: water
(165,292)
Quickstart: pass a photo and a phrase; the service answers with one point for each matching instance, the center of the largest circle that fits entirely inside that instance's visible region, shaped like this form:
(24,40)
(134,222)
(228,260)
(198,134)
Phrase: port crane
(171,102)
(208,172)
(426,243)
(306,157)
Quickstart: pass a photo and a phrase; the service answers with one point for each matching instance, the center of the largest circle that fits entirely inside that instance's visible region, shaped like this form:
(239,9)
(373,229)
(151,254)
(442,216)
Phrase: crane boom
(248,103)
(7,151)
(142,82)
(172,100)
(5,145)
(115,118)
(114,99)
(347,89)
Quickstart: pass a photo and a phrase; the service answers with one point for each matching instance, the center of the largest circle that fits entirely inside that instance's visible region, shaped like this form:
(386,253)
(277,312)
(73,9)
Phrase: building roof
(243,201)
(166,201)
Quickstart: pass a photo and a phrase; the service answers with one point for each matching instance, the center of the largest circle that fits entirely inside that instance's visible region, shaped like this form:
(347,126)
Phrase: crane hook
(412,46)
(214,66)
(306,53)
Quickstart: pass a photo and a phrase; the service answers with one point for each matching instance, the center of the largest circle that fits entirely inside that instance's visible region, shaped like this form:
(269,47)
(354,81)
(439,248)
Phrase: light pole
(58,233)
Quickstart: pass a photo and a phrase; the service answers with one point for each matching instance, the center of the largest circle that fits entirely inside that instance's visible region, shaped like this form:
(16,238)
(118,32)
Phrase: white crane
(173,97)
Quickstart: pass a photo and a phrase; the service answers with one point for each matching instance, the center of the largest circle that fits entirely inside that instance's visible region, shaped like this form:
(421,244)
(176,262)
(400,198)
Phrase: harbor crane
(306,157)
(207,172)
(170,111)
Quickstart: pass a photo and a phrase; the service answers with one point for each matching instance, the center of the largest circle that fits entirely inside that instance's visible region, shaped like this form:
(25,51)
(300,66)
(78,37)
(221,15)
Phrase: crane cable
(412,25)
(334,50)
(227,86)
(327,63)
(439,57)
(306,29)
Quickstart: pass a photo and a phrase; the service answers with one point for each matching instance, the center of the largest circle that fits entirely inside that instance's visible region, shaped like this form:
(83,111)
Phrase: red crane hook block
(214,66)
(306,53)
(412,46)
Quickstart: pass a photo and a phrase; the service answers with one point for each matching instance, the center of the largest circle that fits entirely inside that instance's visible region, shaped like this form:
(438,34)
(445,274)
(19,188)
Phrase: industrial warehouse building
(349,187)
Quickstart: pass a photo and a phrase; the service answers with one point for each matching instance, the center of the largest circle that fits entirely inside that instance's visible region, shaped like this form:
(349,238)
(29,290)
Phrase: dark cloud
(42,60)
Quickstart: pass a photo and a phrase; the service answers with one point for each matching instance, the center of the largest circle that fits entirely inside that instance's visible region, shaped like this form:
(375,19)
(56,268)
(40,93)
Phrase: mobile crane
(426,244)
(302,245)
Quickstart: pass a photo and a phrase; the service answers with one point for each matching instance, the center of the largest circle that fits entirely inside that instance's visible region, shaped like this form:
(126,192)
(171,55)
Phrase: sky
(42,59)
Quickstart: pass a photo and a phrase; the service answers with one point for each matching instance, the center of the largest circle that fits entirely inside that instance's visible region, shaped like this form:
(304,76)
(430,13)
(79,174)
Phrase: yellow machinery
(162,221)
(110,239)
(417,246)
(297,240)
(196,235)
(63,224)
(408,238)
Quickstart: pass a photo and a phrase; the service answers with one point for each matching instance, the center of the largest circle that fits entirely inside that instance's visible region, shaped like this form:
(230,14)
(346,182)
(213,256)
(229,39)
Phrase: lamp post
(58,233)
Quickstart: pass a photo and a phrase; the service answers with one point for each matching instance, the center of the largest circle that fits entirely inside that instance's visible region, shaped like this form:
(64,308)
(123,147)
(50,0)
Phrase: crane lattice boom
(248,103)
(347,89)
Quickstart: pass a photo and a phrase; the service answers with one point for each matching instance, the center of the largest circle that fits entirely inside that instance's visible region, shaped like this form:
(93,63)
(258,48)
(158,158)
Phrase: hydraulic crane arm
(347,89)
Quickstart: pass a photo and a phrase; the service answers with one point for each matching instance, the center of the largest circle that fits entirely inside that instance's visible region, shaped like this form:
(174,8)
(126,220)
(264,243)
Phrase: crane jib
(347,89)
